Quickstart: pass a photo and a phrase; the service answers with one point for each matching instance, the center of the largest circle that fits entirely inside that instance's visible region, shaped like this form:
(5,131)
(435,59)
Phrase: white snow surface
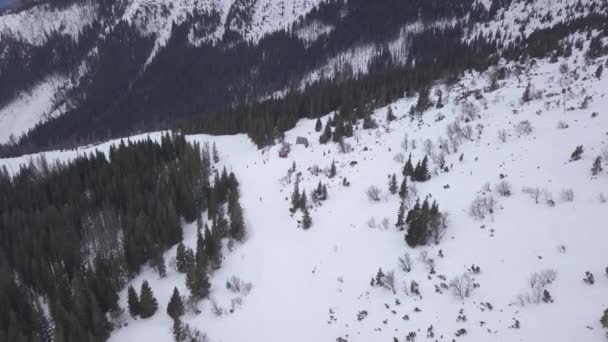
(29,108)
(299,276)
(34,24)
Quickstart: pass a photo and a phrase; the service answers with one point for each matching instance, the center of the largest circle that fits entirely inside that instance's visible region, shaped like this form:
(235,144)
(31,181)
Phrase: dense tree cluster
(419,173)
(424,222)
(73,234)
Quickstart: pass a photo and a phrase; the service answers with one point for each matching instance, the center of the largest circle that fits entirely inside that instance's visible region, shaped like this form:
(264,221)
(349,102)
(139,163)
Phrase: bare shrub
(462,286)
(236,285)
(371,222)
(502,135)
(405,143)
(567,195)
(216,309)
(543,278)
(405,262)
(481,206)
(428,147)
(603,197)
(373,193)
(389,281)
(504,188)
(470,111)
(467,132)
(562,125)
(535,193)
(524,128)
(399,157)
(605,153)
(385,223)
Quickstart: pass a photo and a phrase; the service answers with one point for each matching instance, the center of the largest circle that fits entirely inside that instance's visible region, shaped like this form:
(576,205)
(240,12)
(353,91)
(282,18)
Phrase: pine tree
(147,303)
(527,96)
(303,200)
(306,219)
(403,191)
(180,258)
(215,153)
(332,169)
(408,168)
(392,184)
(133,301)
(597,166)
(401,216)
(213,249)
(295,196)
(318,125)
(197,279)
(324,193)
(389,115)
(175,308)
(326,136)
(237,224)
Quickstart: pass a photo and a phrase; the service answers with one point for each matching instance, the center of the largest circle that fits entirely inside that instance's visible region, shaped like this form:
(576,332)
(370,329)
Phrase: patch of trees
(74,233)
(425,223)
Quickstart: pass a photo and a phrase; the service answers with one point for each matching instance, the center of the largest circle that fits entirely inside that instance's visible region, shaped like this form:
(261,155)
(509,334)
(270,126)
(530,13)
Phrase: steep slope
(315,284)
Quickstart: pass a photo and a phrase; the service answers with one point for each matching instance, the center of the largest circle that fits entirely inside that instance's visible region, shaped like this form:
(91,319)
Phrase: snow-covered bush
(482,206)
(462,286)
(502,135)
(567,195)
(237,285)
(405,262)
(535,193)
(399,158)
(524,128)
(373,193)
(504,188)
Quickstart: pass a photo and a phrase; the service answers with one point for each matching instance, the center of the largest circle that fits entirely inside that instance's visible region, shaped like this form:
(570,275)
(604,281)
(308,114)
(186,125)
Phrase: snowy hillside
(544,233)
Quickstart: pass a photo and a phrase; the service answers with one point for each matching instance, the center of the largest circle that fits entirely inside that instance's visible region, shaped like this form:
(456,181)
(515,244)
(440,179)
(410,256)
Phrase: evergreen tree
(213,249)
(133,301)
(175,308)
(326,135)
(324,193)
(306,219)
(197,280)
(303,200)
(147,302)
(390,116)
(527,96)
(332,169)
(597,166)
(318,125)
(408,168)
(215,154)
(392,184)
(421,171)
(403,191)
(401,216)
(180,258)
(295,196)
(237,224)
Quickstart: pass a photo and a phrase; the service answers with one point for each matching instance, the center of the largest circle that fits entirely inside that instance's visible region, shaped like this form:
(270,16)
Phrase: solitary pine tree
(237,224)
(147,302)
(215,153)
(332,169)
(213,249)
(306,219)
(133,301)
(392,184)
(326,136)
(597,166)
(389,115)
(295,196)
(197,280)
(318,125)
(303,200)
(175,308)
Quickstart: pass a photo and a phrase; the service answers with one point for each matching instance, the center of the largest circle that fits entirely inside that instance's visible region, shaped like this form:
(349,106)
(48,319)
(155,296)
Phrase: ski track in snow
(295,273)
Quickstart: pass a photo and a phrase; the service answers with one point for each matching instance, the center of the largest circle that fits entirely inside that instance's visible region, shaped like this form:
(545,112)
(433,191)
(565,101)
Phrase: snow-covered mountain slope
(314,285)
(35,24)
(30,108)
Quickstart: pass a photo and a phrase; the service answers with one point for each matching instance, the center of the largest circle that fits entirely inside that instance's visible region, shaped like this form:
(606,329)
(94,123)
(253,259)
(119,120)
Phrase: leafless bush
(345,147)
(118,317)
(389,281)
(467,132)
(562,125)
(504,188)
(399,157)
(486,187)
(236,285)
(216,309)
(462,286)
(428,147)
(371,222)
(535,193)
(373,193)
(405,143)
(502,135)
(543,278)
(481,206)
(235,303)
(605,153)
(469,111)
(191,304)
(385,223)
(603,197)
(567,195)
(439,159)
(405,262)
(524,128)
(444,145)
